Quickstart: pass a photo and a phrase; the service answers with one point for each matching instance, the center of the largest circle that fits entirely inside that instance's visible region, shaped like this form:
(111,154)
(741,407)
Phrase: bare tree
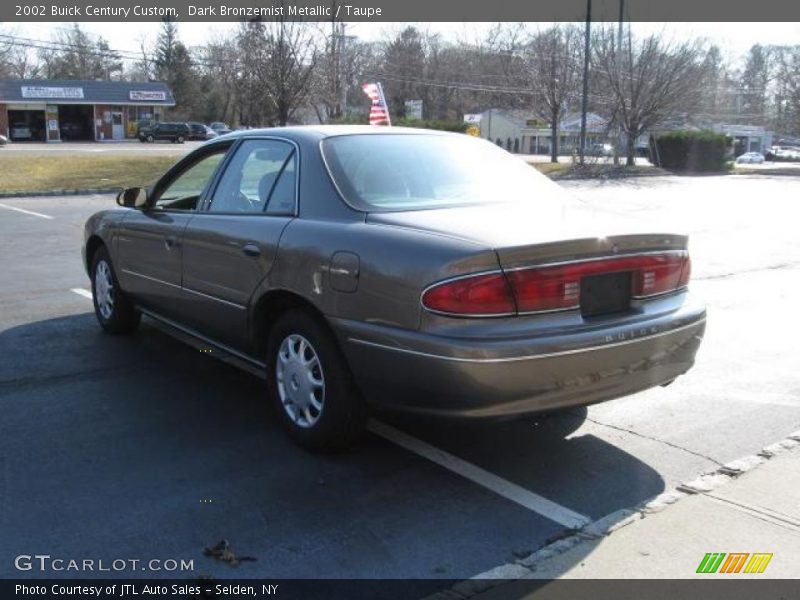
(756,76)
(291,59)
(72,54)
(553,59)
(5,51)
(647,80)
(788,101)
(251,46)
(18,62)
(218,61)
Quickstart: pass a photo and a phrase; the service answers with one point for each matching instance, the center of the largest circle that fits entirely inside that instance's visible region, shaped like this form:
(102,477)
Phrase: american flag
(379,111)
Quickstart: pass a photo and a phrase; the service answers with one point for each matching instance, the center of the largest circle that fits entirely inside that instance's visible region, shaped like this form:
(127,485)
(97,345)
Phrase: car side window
(183,192)
(259,179)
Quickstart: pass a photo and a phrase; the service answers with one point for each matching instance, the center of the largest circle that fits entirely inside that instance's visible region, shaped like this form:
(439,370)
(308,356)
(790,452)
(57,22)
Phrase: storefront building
(45,110)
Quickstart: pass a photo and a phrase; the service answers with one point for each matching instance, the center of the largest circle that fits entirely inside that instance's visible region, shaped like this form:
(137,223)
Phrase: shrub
(693,151)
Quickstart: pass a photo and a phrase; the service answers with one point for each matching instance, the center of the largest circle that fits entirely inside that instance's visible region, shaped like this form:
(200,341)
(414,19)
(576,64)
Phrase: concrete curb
(613,522)
(81,192)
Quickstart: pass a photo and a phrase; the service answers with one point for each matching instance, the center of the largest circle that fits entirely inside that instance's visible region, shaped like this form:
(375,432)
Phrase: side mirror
(135,197)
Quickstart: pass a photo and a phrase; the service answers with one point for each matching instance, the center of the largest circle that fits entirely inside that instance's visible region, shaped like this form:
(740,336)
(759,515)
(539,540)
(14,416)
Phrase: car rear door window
(261,178)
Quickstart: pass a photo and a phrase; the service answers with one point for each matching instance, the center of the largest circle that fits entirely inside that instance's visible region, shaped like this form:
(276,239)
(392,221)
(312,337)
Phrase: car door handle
(251,250)
(170,242)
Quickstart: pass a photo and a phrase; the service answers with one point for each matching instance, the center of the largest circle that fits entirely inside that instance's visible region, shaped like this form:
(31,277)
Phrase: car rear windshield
(401,172)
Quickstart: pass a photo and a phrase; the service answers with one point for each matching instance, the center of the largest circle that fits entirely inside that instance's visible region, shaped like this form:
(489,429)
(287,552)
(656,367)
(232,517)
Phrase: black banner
(395,11)
(713,588)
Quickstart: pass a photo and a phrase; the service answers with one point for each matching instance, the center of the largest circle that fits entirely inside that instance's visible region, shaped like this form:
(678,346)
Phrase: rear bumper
(437,375)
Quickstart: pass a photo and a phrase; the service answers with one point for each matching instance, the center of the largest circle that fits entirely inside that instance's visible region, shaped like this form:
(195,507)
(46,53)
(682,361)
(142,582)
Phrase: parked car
(200,131)
(143,124)
(413,270)
(220,127)
(174,132)
(3,140)
(601,150)
(751,158)
(783,154)
(71,131)
(20,131)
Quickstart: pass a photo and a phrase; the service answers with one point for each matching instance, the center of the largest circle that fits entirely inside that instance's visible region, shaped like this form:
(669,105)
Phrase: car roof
(316,132)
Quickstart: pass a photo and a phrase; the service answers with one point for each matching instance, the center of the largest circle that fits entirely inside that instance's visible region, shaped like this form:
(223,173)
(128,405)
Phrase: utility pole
(343,69)
(618,143)
(585,101)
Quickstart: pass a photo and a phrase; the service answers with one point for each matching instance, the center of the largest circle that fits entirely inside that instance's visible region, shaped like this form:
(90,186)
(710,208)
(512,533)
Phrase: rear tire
(150,139)
(113,308)
(180,139)
(310,385)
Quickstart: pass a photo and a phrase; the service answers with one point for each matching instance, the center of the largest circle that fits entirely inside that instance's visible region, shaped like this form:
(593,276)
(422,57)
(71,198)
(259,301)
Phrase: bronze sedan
(413,270)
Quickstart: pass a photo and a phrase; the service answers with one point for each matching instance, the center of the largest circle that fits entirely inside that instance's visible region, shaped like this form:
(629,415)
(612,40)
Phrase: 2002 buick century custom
(409,269)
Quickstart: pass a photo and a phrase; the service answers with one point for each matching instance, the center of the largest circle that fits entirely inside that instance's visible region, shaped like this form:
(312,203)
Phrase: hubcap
(301,383)
(104,289)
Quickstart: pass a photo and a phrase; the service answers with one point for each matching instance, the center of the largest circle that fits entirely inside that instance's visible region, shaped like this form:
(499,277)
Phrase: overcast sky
(734,38)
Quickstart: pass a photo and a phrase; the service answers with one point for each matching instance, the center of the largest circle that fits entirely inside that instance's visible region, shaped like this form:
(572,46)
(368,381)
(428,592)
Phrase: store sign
(147,96)
(538,123)
(39,91)
(474,118)
(413,109)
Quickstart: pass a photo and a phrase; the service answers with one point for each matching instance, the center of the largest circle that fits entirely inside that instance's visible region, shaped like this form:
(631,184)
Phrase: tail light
(480,295)
(554,287)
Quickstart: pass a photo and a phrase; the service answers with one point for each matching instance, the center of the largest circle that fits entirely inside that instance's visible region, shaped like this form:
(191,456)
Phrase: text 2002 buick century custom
(409,269)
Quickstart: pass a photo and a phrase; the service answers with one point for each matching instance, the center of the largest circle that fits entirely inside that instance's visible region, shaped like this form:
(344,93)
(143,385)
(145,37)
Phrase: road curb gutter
(610,523)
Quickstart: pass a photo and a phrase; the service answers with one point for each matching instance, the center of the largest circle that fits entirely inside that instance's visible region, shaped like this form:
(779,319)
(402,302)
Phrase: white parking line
(82,292)
(27,212)
(511,491)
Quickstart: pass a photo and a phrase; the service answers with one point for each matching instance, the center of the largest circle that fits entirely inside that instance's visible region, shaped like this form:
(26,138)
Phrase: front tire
(112,307)
(180,139)
(310,385)
(150,139)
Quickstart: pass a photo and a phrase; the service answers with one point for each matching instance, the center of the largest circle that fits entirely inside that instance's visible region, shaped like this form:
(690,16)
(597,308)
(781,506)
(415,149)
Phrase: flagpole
(386,104)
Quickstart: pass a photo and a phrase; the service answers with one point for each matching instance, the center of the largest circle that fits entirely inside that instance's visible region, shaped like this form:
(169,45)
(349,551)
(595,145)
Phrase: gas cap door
(344,271)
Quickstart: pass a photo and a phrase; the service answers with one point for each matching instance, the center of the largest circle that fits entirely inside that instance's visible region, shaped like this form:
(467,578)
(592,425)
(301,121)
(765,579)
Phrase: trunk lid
(533,233)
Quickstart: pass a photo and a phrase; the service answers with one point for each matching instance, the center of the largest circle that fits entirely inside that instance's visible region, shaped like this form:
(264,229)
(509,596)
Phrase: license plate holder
(605,294)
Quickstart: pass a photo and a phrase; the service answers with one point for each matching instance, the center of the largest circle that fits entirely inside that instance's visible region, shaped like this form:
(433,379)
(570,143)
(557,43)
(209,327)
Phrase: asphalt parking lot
(145,447)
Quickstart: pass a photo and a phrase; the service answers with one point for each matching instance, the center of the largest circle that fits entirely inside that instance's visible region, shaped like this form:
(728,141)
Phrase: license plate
(605,294)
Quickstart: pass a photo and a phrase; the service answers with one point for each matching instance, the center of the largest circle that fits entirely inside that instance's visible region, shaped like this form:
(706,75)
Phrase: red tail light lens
(482,295)
(546,288)
(555,287)
(659,274)
(686,272)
